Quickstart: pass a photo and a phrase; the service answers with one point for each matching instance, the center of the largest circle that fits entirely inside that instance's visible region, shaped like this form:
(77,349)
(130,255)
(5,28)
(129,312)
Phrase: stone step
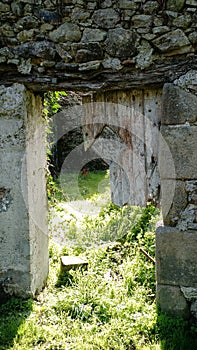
(73,262)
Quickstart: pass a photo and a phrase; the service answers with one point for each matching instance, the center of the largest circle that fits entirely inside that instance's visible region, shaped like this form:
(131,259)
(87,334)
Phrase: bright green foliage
(93,186)
(51,102)
(89,186)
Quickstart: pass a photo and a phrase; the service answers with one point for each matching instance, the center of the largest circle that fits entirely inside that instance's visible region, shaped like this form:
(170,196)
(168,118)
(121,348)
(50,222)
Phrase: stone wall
(79,44)
(23,206)
(176,242)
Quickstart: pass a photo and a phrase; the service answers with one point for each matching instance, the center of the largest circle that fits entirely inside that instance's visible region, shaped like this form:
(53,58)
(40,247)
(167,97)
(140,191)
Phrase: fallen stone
(72,262)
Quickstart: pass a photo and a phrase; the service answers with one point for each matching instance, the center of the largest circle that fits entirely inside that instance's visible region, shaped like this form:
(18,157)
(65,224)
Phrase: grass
(93,185)
(111,306)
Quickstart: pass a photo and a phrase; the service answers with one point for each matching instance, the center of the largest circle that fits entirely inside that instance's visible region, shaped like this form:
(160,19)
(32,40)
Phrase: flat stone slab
(69,262)
(176,257)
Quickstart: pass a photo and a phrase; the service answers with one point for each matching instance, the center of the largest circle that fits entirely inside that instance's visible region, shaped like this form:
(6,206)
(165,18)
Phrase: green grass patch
(92,185)
(111,306)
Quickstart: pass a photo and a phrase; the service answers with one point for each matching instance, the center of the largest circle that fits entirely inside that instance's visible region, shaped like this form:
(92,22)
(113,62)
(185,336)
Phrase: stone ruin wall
(99,46)
(78,44)
(176,241)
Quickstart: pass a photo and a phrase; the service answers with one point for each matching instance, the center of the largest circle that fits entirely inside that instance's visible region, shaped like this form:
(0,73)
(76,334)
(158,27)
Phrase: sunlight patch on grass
(93,185)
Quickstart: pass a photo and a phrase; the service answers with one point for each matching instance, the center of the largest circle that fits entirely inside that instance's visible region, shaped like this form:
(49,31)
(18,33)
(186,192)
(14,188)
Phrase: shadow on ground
(13,314)
(176,333)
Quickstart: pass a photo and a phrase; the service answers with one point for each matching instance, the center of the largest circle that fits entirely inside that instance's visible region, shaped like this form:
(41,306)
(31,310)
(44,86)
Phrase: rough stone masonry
(98,47)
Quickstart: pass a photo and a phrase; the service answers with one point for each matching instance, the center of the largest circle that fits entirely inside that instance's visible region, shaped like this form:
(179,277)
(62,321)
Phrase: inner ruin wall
(99,47)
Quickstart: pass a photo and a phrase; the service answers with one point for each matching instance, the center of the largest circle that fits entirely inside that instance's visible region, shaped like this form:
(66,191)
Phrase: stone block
(89,52)
(12,101)
(175,40)
(189,293)
(93,35)
(175,5)
(23,206)
(12,134)
(174,200)
(142,21)
(171,301)
(120,43)
(194,309)
(150,7)
(176,257)
(188,81)
(178,152)
(126,4)
(66,32)
(179,106)
(191,188)
(72,262)
(106,18)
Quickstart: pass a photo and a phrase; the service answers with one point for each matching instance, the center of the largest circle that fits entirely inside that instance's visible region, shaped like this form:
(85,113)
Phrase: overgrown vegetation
(111,306)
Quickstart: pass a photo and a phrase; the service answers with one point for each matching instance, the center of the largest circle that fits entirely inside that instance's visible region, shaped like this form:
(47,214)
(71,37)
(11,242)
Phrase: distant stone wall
(122,127)
(72,44)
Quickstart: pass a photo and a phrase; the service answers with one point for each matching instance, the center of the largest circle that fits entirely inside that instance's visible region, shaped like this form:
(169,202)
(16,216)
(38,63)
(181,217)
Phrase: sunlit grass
(111,306)
(91,185)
